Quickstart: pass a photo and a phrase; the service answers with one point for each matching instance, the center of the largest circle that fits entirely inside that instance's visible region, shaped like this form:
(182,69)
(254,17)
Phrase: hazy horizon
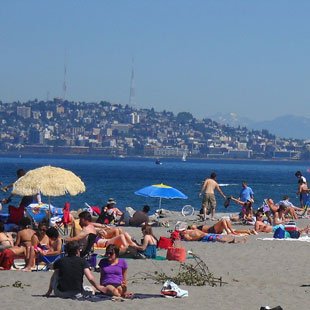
(202,57)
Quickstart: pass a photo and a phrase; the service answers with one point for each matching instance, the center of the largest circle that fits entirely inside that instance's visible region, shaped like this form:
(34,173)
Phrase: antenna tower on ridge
(64,86)
(132,93)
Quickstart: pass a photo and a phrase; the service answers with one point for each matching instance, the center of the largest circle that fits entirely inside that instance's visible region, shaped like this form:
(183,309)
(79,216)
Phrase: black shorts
(211,230)
(116,285)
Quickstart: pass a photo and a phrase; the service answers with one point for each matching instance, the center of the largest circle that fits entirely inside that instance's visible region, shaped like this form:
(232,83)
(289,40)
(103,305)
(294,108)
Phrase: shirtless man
(274,208)
(209,201)
(198,235)
(87,228)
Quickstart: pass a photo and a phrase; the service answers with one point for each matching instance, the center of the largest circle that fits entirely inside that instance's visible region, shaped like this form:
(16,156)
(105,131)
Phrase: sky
(201,56)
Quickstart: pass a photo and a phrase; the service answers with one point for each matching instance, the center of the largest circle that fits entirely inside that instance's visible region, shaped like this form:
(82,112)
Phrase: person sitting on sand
(122,240)
(113,273)
(140,217)
(6,239)
(219,228)
(53,247)
(246,213)
(9,250)
(274,208)
(67,279)
(149,243)
(260,226)
(198,235)
(25,234)
(109,213)
(87,229)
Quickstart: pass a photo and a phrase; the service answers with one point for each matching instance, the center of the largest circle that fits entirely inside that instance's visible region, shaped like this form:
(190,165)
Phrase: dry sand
(257,272)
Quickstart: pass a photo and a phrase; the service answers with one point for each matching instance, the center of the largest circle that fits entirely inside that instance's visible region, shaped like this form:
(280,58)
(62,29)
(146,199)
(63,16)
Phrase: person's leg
(204,207)
(31,261)
(212,203)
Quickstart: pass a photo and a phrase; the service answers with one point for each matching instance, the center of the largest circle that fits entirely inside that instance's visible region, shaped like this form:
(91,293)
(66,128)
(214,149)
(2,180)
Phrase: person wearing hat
(109,213)
(246,193)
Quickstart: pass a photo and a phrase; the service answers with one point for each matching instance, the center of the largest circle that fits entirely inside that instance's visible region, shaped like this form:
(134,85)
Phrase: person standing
(209,201)
(246,193)
(302,183)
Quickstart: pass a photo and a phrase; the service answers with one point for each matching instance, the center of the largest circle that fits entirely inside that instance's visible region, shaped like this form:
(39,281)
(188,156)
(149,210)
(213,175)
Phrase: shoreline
(125,157)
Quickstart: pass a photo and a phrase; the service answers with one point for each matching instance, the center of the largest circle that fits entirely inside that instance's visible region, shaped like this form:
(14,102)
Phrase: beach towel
(303,239)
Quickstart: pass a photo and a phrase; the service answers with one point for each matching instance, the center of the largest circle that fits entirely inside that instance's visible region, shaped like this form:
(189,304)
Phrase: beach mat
(303,239)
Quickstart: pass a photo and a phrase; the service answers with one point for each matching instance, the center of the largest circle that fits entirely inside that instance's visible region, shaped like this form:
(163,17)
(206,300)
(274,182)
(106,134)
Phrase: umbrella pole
(160,203)
(49,211)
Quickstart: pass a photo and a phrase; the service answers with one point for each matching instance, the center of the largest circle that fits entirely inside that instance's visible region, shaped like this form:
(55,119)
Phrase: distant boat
(184,156)
(158,162)
(121,156)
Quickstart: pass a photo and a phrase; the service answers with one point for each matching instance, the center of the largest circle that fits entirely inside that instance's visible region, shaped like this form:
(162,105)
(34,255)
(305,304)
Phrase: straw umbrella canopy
(50,181)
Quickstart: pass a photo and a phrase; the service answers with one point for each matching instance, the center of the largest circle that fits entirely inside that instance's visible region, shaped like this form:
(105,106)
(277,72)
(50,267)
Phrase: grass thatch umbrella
(50,181)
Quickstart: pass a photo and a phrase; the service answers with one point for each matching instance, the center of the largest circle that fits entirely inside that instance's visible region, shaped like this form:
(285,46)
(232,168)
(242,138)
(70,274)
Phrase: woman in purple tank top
(113,273)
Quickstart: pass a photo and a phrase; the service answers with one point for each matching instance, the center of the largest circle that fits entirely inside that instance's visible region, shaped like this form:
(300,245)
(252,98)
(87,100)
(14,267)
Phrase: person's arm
(124,276)
(34,240)
(17,242)
(256,226)
(57,249)
(203,187)
(50,288)
(80,236)
(90,277)
(220,191)
(144,245)
(236,200)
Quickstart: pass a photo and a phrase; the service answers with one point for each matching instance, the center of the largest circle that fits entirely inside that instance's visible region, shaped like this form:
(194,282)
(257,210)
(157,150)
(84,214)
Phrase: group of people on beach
(103,229)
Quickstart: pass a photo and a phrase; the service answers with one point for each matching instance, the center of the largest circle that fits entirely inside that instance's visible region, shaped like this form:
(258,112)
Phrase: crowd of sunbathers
(33,240)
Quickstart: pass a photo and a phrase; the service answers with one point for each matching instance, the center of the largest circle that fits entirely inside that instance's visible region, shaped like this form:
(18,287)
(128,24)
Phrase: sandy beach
(258,273)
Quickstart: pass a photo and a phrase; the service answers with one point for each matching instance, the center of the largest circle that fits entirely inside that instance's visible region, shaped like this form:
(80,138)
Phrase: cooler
(290,226)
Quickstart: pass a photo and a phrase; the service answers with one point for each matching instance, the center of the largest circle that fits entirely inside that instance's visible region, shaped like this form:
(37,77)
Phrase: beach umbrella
(161,191)
(50,181)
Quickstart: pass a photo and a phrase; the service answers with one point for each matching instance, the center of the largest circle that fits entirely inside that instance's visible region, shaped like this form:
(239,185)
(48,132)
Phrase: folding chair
(87,253)
(48,259)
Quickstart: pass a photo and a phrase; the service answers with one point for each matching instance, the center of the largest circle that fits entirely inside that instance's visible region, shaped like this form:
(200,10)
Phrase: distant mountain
(287,126)
(232,119)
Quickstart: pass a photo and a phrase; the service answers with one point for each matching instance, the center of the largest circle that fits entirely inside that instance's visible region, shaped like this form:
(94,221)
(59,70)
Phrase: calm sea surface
(120,178)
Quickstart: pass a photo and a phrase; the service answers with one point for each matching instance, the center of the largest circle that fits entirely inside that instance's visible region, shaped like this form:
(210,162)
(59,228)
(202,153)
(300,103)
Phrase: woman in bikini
(219,227)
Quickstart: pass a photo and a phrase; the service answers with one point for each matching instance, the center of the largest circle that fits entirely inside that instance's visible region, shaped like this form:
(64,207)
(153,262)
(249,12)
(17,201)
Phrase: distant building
(135,118)
(24,112)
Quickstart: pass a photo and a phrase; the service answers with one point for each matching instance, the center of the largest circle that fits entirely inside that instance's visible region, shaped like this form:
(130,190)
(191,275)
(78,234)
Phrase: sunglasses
(110,253)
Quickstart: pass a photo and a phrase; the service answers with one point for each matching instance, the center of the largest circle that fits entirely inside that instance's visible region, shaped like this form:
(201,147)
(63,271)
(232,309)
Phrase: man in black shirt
(67,279)
(140,217)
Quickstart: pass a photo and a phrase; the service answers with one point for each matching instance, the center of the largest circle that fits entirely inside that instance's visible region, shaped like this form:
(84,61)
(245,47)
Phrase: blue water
(120,178)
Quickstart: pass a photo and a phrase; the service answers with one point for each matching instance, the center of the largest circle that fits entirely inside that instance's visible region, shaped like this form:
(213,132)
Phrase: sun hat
(111,201)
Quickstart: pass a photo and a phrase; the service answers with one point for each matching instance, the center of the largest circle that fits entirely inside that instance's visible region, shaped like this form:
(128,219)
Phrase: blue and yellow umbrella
(161,191)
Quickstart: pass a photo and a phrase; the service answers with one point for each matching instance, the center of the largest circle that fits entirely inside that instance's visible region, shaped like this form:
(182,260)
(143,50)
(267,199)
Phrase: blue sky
(201,56)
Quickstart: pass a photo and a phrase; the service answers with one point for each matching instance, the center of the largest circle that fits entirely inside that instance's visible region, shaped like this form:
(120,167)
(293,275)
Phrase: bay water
(120,178)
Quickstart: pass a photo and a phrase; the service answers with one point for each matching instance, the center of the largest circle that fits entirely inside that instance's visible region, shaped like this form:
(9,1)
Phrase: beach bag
(171,290)
(164,243)
(176,252)
(279,233)
(16,214)
(294,234)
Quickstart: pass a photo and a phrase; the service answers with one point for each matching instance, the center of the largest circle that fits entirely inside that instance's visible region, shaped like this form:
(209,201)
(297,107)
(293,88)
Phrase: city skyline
(203,57)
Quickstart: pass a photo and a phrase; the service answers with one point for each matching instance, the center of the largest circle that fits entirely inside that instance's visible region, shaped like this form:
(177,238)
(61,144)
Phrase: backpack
(279,233)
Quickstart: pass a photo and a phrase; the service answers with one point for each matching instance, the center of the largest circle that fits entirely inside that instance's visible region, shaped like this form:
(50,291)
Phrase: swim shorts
(211,237)
(209,202)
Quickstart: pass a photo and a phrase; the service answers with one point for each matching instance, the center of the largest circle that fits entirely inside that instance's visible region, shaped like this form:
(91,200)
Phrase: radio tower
(132,94)
(64,86)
